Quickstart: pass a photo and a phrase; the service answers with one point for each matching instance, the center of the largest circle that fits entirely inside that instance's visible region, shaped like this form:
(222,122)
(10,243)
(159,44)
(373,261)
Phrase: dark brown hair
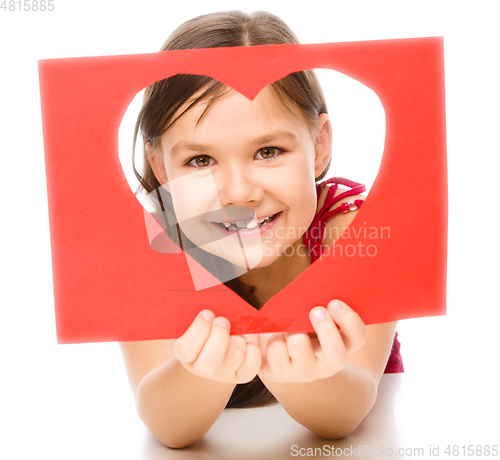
(164,99)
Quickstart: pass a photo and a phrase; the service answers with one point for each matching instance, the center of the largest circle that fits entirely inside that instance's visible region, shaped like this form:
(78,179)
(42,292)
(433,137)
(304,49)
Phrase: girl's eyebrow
(275,136)
(279,135)
(174,151)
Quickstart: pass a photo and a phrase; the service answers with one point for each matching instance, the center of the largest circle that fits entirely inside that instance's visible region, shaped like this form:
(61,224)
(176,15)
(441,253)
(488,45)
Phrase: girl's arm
(332,406)
(181,389)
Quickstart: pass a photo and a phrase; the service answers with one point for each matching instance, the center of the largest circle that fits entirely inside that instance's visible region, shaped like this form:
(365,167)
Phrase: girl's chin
(265,262)
(246,260)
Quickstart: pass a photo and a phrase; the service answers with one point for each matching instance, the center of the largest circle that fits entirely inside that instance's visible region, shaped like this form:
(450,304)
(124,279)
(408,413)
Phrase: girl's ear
(155,159)
(322,144)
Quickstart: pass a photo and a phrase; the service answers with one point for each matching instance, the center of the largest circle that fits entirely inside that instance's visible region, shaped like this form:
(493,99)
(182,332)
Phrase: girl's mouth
(242,225)
(248,228)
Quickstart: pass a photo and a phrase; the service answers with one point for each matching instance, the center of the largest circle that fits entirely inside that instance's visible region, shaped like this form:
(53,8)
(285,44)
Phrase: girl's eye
(201,161)
(268,153)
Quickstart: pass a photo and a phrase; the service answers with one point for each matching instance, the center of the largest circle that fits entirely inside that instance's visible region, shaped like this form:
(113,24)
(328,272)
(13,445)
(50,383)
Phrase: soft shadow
(376,437)
(269,433)
(154,450)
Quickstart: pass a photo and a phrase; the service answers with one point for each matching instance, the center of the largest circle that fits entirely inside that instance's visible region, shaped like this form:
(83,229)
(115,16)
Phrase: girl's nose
(238,188)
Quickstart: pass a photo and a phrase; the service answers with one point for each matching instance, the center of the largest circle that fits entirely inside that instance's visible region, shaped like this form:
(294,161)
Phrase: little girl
(264,155)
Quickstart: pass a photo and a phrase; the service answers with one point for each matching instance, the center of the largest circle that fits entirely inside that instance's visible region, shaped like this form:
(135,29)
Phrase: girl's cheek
(193,194)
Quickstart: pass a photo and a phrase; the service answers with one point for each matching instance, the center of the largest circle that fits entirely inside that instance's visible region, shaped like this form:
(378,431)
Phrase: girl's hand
(206,349)
(297,357)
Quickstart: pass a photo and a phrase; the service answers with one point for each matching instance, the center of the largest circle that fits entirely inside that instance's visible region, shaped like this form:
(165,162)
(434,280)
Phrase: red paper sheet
(110,285)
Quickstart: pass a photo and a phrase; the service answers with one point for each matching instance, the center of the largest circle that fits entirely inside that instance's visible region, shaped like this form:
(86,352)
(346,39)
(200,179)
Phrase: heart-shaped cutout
(358,125)
(97,229)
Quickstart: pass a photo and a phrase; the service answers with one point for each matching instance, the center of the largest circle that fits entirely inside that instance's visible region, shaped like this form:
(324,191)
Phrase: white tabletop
(74,402)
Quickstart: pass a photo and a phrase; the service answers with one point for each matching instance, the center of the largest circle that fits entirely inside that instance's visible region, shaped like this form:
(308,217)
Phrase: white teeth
(266,219)
(240,224)
(252,223)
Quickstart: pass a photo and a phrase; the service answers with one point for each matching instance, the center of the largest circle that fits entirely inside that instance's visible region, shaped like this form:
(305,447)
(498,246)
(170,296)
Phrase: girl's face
(249,165)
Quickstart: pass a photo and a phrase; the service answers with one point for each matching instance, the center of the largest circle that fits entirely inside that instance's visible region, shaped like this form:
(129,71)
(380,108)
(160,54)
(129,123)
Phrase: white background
(53,396)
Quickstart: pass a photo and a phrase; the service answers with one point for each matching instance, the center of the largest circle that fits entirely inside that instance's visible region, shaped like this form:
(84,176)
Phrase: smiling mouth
(246,224)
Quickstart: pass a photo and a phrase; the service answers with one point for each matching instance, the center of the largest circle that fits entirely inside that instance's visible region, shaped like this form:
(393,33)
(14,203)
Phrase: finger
(213,353)
(352,328)
(251,363)
(331,346)
(277,358)
(235,354)
(252,338)
(188,347)
(301,352)
(263,338)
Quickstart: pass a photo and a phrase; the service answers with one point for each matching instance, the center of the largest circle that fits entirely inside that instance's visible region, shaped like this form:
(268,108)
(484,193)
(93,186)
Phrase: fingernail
(335,306)
(207,315)
(222,322)
(318,313)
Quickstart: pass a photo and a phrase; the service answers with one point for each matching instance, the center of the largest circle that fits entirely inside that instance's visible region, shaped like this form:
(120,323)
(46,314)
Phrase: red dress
(314,236)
